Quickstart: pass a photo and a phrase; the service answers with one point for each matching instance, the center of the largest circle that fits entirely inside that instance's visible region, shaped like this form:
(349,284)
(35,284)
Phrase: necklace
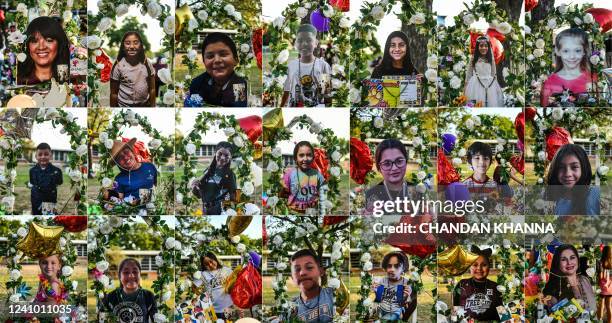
(311,101)
(389,193)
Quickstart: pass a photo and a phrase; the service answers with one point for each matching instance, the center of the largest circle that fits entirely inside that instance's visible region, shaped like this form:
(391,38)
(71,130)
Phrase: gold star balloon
(237,224)
(342,298)
(455,261)
(41,241)
(272,122)
(183,14)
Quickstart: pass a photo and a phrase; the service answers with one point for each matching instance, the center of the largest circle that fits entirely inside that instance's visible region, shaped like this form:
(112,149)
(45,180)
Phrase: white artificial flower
(602,170)
(456,161)
(462,152)
(552,23)
(121,10)
(591,272)
(281,266)
(301,12)
(67,271)
(469,123)
(190,148)
(202,15)
(81,150)
(102,265)
(22,8)
(431,75)
(328,11)
(14,275)
(229,9)
(169,97)
(22,232)
(93,42)
(159,261)
(155,143)
(235,239)
(367,266)
(283,56)
(278,22)
(272,167)
(245,48)
(159,318)
(365,257)
(377,12)
(354,95)
(421,188)
(241,248)
(333,283)
(441,306)
(539,204)
(335,171)
(335,156)
(432,61)
(501,288)
(557,114)
(577,21)
(165,75)
(562,9)
(192,25)
(458,67)
(344,23)
(418,18)
(421,175)
(272,200)
(455,82)
(169,25)
(104,24)
(251,209)
(277,240)
(504,28)
(231,212)
(169,243)
(15,298)
(192,55)
(248,188)
(468,19)
(154,9)
(594,59)
(22,57)
(276,152)
(16,37)
(237,15)
(540,43)
(379,122)
(538,52)
(499,148)
(238,141)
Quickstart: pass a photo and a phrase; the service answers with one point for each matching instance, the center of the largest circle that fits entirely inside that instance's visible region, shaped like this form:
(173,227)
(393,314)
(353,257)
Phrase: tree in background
(129,24)
(97,121)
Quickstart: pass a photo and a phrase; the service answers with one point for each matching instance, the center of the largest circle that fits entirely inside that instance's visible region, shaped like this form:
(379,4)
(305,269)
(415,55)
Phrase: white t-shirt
(213,281)
(308,76)
(133,85)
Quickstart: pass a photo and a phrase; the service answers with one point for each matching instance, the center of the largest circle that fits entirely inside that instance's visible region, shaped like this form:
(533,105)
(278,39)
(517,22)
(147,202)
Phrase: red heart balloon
(530,4)
(108,65)
(418,244)
(72,223)
(556,138)
(257,45)
(518,162)
(446,172)
(530,113)
(519,126)
(342,5)
(251,126)
(333,219)
(361,160)
(320,162)
(603,17)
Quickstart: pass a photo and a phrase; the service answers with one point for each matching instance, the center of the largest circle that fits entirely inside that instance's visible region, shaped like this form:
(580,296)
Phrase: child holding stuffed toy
(306,76)
(481,83)
(571,65)
(303,184)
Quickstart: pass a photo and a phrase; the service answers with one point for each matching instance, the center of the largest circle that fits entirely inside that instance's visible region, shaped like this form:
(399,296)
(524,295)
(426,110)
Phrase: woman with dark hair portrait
(396,59)
(569,182)
(218,184)
(132,75)
(565,281)
(214,275)
(47,52)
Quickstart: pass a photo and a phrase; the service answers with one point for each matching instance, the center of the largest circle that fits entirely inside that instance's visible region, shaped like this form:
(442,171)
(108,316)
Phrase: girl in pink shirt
(572,67)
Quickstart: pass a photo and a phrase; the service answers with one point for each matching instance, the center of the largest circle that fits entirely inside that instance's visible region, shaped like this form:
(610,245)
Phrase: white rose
(281,266)
(458,67)
(22,232)
(432,61)
(235,239)
(455,82)
(202,15)
(14,275)
(278,240)
(421,188)
(431,75)
(283,56)
(155,143)
(335,171)
(169,25)
(159,261)
(67,271)
(197,275)
(367,302)
(104,24)
(462,152)
(238,141)
(527,30)
(441,306)
(530,57)
(590,271)
(542,155)
(540,43)
(121,10)
(421,175)
(501,288)
(577,21)
(81,150)
(456,161)
(557,114)
(170,243)
(108,144)
(328,10)
(367,266)
(301,12)
(538,52)
(93,42)
(22,8)
(469,123)
(504,28)
(336,156)
(468,19)
(602,170)
(22,57)
(241,248)
(102,265)
(552,23)
(237,15)
(191,55)
(165,75)
(276,152)
(154,9)
(379,122)
(231,212)
(539,204)
(333,283)
(192,25)
(278,22)
(245,48)
(344,23)
(190,148)
(594,59)
(169,97)
(248,188)
(229,9)
(562,9)
(365,257)
(159,318)
(272,200)
(272,167)
(377,12)
(251,209)
(418,18)
(15,298)
(499,148)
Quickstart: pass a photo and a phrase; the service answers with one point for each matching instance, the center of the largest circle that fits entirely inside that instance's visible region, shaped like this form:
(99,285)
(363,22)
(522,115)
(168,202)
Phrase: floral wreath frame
(363,42)
(11,149)
(452,61)
(160,147)
(280,34)
(242,161)
(334,147)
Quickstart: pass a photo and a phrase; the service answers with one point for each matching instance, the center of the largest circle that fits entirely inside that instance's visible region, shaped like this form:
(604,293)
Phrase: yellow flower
(197,212)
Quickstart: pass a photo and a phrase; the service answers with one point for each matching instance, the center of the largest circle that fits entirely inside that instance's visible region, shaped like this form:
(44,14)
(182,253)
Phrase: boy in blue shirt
(44,178)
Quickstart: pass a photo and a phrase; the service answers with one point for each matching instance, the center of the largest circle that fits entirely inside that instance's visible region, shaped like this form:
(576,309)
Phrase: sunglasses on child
(388,164)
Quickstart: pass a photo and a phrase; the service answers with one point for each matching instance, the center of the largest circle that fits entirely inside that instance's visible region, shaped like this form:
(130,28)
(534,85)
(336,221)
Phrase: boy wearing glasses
(391,161)
(394,296)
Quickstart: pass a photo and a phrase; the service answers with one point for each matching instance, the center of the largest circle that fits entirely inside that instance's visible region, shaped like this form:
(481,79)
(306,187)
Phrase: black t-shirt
(138,307)
(231,94)
(218,186)
(479,299)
